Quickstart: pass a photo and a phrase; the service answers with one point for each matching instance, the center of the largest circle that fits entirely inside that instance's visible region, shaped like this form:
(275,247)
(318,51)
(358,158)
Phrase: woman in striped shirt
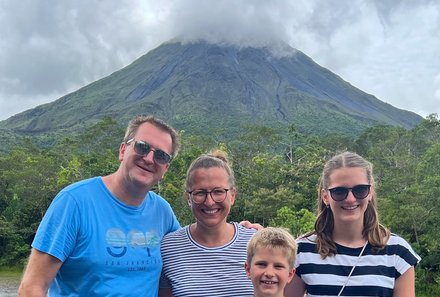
(207,258)
(350,253)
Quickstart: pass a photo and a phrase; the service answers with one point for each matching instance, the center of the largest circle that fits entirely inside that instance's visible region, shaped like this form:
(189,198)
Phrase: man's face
(142,170)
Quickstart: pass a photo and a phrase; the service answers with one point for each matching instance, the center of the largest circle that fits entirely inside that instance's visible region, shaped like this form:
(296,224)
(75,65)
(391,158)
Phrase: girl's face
(214,180)
(351,209)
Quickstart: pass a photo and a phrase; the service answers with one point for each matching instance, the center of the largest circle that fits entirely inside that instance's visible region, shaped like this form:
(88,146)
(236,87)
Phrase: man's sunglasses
(143,148)
(341,193)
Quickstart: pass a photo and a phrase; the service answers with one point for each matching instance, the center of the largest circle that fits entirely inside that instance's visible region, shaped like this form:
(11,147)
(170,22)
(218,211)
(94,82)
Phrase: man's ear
(122,148)
(166,168)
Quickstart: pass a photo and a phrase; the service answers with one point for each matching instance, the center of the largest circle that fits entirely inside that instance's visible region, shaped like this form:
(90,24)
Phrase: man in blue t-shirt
(101,236)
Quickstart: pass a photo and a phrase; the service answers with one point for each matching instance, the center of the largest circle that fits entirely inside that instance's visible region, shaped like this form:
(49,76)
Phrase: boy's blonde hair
(273,237)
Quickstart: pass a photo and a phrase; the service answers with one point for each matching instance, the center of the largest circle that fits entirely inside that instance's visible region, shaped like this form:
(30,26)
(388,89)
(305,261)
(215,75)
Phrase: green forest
(276,171)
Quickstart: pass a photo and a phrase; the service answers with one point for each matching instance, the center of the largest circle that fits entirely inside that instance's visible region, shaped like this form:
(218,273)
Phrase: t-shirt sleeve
(406,258)
(173,224)
(58,230)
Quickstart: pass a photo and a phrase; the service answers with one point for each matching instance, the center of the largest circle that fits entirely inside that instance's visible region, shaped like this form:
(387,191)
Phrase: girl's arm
(296,288)
(405,284)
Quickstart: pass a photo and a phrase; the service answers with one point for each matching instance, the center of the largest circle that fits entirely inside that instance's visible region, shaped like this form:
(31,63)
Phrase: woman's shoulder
(244,230)
(175,235)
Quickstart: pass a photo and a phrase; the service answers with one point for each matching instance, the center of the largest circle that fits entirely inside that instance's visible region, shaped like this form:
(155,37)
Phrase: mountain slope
(201,86)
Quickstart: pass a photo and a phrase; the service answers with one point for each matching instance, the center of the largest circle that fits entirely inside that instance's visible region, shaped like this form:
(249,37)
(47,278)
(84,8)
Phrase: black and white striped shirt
(374,275)
(194,270)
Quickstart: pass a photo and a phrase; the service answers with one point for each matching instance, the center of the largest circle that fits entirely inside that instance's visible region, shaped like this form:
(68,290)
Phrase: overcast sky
(388,48)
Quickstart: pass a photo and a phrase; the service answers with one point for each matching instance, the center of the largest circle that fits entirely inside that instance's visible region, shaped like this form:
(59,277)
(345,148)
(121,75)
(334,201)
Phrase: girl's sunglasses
(341,193)
(143,148)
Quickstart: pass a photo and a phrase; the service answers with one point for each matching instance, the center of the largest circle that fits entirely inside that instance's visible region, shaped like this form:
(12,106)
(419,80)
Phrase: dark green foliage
(31,176)
(276,172)
(298,222)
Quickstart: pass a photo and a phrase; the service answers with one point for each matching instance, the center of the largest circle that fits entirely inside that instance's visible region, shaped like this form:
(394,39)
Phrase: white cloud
(386,48)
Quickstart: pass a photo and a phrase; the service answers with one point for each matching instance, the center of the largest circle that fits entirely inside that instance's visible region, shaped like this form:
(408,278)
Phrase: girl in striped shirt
(350,253)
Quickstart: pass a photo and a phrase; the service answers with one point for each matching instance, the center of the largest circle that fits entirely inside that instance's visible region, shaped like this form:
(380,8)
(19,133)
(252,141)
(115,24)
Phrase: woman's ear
(233,194)
(188,199)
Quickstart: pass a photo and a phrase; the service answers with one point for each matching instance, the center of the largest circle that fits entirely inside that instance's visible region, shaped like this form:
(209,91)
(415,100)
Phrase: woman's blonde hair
(375,232)
(215,158)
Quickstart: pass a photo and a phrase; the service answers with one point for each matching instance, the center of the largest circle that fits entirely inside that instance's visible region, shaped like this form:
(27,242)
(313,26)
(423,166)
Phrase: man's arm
(39,273)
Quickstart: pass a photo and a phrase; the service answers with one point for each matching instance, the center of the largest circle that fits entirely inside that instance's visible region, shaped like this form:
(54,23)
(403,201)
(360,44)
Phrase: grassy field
(10,271)
(9,281)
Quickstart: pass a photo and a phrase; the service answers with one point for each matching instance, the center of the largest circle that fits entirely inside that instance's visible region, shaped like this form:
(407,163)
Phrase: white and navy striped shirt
(374,275)
(195,270)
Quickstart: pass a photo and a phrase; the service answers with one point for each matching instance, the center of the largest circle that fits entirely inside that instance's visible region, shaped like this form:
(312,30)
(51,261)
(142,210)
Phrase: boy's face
(269,272)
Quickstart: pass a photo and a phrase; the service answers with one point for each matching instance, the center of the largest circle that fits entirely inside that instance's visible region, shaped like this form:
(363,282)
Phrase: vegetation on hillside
(277,176)
(196,86)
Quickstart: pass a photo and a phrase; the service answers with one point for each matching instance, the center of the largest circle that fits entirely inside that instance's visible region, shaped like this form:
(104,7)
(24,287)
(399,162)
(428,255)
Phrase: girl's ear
(372,192)
(325,197)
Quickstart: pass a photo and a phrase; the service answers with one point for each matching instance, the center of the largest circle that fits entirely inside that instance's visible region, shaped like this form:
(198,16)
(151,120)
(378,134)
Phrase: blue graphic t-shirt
(107,248)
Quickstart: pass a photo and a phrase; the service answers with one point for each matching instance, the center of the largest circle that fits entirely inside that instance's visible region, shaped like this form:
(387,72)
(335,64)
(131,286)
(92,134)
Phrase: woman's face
(210,213)
(351,209)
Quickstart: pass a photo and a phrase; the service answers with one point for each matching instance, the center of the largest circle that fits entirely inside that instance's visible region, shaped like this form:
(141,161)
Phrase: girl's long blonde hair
(375,232)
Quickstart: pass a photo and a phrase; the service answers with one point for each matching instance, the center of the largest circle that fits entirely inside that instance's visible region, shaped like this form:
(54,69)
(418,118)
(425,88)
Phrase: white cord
(352,269)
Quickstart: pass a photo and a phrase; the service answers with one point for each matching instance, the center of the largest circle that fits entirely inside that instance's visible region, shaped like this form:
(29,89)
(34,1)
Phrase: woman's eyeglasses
(341,193)
(217,194)
(143,148)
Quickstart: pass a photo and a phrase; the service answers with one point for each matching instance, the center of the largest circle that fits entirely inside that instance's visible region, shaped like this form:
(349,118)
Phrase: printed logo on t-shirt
(118,242)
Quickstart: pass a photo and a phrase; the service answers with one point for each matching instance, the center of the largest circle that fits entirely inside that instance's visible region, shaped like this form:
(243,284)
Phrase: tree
(298,222)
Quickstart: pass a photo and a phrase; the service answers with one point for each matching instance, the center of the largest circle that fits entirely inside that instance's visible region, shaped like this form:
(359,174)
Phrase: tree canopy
(277,175)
